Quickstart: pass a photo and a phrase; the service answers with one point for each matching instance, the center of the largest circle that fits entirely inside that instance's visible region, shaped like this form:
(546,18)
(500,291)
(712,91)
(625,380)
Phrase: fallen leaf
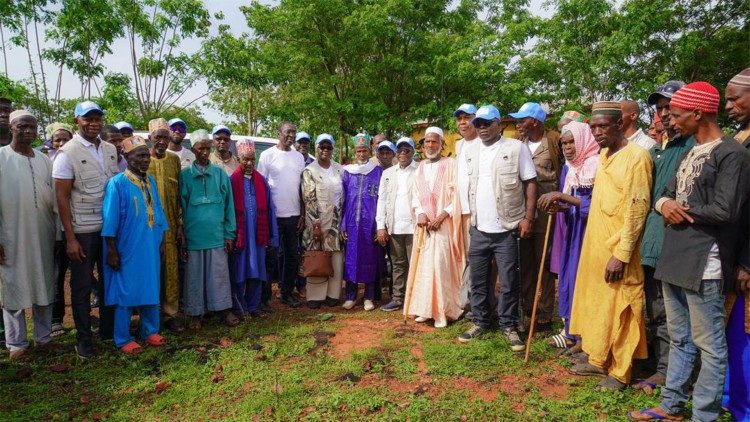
(161,386)
(277,389)
(60,367)
(260,356)
(225,342)
(269,411)
(99,416)
(218,374)
(325,317)
(85,399)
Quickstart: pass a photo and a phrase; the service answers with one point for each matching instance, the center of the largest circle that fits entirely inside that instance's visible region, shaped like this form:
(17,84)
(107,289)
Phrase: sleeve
(61,168)
(669,192)
(380,210)
(184,192)
(262,167)
(111,210)
(274,242)
(160,219)
(730,191)
(637,198)
(462,183)
(415,204)
(344,183)
(230,219)
(309,196)
(526,169)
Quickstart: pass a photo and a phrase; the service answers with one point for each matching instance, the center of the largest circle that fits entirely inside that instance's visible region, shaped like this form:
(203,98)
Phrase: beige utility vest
(87,195)
(510,200)
(390,187)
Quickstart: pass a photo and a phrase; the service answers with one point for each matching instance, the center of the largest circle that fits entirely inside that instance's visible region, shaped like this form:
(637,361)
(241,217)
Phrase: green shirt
(666,160)
(207,207)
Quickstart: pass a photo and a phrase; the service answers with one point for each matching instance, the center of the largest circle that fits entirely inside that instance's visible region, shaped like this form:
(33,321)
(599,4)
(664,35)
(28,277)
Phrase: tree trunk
(5,55)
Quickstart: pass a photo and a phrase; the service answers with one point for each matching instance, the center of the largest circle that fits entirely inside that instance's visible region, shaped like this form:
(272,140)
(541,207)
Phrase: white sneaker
(369,306)
(349,304)
(441,324)
(420,319)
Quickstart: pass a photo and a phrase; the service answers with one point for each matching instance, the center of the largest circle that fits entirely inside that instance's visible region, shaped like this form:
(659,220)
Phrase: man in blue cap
(302,145)
(222,156)
(499,216)
(125,128)
(81,171)
(464,114)
(386,154)
(544,152)
(178,127)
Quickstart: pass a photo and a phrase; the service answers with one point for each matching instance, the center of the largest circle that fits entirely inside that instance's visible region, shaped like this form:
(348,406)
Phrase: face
(160,140)
(4,116)
(684,122)
(487,129)
(247,163)
(432,146)
(465,128)
(738,104)
(89,125)
(568,145)
(115,139)
(287,133)
(24,130)
(139,160)
(526,126)
(126,133)
(201,150)
(222,141)
(362,154)
(303,146)
(606,129)
(404,154)
(325,151)
(178,133)
(60,137)
(385,156)
(662,109)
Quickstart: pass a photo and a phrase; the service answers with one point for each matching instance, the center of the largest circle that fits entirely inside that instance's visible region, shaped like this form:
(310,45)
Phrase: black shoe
(314,304)
(174,325)
(85,350)
(331,302)
(266,308)
(393,305)
(290,301)
(472,333)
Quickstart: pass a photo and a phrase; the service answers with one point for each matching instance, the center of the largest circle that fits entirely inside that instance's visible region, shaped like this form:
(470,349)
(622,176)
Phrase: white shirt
(642,140)
(186,156)
(403,219)
(712,270)
(533,146)
(430,173)
(61,167)
(462,173)
(283,171)
(487,219)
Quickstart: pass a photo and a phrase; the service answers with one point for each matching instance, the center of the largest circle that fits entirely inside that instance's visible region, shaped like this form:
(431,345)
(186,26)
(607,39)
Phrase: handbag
(316,264)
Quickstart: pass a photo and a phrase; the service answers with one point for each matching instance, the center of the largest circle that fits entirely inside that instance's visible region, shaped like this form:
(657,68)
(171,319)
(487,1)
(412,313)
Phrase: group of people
(649,233)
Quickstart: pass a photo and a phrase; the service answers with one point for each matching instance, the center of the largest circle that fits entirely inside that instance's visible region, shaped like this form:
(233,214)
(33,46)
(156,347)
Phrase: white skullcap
(434,129)
(18,114)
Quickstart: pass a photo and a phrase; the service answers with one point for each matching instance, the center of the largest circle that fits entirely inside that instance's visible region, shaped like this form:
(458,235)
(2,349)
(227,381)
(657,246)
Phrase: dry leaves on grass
(218,374)
(161,386)
(225,342)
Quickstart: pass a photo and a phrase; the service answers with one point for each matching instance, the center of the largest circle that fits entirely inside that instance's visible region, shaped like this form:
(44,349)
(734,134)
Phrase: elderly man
(544,148)
(608,299)
(125,128)
(81,171)
(499,216)
(113,136)
(701,207)
(282,168)
(302,145)
(631,113)
(464,114)
(28,219)
(438,258)
(665,156)
(133,229)
(737,387)
(165,170)
(222,156)
(395,219)
(210,231)
(179,130)
(363,256)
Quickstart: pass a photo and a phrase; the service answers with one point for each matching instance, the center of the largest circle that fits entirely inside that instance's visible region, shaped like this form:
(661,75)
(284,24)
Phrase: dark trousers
(81,280)
(289,244)
(656,322)
(531,256)
(504,248)
(400,249)
(62,262)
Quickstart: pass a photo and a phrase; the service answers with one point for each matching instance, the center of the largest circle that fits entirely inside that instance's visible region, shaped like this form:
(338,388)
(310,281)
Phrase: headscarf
(582,168)
(54,127)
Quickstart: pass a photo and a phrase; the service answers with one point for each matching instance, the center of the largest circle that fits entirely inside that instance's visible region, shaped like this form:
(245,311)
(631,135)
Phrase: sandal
(131,349)
(649,384)
(587,369)
(195,323)
(231,320)
(651,415)
(559,341)
(611,384)
(156,340)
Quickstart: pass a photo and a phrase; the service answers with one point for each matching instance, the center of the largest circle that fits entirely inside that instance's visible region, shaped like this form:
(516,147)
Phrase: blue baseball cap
(486,112)
(123,125)
(405,140)
(177,121)
(387,144)
(219,128)
(465,108)
(302,135)
(323,137)
(86,107)
(532,110)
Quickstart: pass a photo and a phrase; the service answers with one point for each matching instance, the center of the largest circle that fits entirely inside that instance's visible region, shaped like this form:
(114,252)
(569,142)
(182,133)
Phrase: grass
(291,366)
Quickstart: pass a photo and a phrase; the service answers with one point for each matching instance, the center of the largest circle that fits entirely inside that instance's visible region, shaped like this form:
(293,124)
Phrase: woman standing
(322,193)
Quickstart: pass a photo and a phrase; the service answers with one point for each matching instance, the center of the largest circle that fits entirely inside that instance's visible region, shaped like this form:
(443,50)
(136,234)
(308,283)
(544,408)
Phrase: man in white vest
(81,171)
(499,216)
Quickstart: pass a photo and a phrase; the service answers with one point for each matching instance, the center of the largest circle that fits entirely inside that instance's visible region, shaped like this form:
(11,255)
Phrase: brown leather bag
(316,264)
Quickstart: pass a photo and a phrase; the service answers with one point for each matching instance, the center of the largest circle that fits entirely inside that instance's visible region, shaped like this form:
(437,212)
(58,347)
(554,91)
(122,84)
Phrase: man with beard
(165,170)
(222,156)
(302,145)
(179,129)
(81,171)
(113,135)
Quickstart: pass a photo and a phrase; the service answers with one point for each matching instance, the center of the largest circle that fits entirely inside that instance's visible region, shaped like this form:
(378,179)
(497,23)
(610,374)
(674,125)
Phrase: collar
(85,142)
(195,171)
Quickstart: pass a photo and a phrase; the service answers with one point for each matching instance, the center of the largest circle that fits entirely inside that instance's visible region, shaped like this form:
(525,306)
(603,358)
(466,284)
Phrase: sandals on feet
(649,384)
(652,415)
(131,348)
(231,320)
(586,369)
(559,341)
(156,340)
(611,384)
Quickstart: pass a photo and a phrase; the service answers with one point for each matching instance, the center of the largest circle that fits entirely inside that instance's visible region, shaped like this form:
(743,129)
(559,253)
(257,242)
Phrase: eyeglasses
(480,123)
(325,148)
(404,150)
(178,130)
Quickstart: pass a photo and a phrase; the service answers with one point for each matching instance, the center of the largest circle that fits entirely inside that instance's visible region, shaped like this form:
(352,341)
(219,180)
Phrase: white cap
(434,129)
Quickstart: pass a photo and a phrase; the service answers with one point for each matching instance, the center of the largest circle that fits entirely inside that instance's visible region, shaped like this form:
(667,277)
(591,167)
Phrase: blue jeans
(695,321)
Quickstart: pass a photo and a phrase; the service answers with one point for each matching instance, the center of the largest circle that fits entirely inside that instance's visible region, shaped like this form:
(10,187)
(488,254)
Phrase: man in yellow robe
(165,168)
(608,300)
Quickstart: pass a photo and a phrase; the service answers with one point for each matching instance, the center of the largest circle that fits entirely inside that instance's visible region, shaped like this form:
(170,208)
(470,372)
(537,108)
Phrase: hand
(614,271)
(229,245)
(382,237)
(525,227)
(422,220)
(435,225)
(548,201)
(74,250)
(2,255)
(180,236)
(317,233)
(301,224)
(113,258)
(344,236)
(743,280)
(675,213)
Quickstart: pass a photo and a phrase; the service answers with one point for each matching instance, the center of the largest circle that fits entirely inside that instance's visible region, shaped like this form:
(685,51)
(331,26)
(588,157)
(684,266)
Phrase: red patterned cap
(697,96)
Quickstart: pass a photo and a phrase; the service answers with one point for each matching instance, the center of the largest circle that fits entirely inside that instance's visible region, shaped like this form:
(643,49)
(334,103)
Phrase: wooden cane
(410,287)
(538,292)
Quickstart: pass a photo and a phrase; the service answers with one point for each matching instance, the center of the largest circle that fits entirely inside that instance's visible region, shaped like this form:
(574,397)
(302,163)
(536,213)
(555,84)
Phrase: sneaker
(393,305)
(441,324)
(349,304)
(516,344)
(85,350)
(472,333)
(420,319)
(94,301)
(174,325)
(57,330)
(369,306)
(17,355)
(291,301)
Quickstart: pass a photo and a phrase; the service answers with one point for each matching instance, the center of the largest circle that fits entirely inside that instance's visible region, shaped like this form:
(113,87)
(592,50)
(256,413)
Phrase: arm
(382,233)
(113,256)
(527,223)
(636,202)
(730,191)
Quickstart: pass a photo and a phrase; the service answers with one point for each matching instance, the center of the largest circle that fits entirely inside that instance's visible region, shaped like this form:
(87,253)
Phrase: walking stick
(538,292)
(410,287)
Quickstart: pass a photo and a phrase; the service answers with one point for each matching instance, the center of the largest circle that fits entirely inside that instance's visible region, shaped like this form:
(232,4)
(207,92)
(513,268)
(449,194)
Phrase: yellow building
(449,149)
